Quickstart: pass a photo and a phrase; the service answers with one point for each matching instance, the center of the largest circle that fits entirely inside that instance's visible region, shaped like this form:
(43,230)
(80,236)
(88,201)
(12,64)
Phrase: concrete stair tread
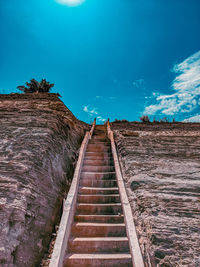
(99,218)
(100,259)
(108,165)
(107,183)
(100,180)
(100,204)
(100,143)
(98,224)
(91,229)
(97,163)
(98,244)
(95,142)
(89,172)
(121,255)
(99,208)
(98,157)
(94,239)
(91,168)
(99,188)
(99,195)
(99,154)
(98,191)
(98,198)
(100,215)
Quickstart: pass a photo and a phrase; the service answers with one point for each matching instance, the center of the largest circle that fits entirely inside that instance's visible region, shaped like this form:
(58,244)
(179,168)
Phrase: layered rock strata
(39,142)
(160,165)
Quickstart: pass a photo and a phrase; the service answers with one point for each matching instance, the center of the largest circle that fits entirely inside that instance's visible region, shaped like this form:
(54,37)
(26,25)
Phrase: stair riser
(95,162)
(98,155)
(98,263)
(85,191)
(100,136)
(100,231)
(99,141)
(98,169)
(106,210)
(98,150)
(99,219)
(98,246)
(98,176)
(100,183)
(98,199)
(98,145)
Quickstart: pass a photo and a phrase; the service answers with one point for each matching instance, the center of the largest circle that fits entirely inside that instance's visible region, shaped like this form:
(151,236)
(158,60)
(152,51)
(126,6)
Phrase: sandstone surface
(39,142)
(161,167)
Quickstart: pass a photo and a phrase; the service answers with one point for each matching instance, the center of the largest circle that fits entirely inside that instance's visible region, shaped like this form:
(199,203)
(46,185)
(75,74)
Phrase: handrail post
(92,129)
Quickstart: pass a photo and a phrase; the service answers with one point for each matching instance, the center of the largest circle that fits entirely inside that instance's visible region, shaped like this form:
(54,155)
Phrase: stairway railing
(135,251)
(69,207)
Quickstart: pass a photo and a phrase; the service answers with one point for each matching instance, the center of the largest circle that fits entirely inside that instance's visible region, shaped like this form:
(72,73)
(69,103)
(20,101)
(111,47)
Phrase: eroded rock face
(160,165)
(39,141)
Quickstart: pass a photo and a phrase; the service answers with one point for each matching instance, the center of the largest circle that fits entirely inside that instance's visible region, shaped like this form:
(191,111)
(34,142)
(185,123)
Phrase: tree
(36,87)
(145,119)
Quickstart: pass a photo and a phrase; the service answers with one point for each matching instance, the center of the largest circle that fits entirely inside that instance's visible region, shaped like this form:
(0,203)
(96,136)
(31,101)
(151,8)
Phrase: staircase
(98,234)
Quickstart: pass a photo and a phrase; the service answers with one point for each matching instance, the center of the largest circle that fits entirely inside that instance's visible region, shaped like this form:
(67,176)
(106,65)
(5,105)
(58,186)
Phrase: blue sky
(108,58)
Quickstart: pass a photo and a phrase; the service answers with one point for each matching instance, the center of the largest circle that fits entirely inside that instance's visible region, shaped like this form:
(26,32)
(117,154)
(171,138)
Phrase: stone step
(107,168)
(98,233)
(99,132)
(98,183)
(100,218)
(99,149)
(100,141)
(98,198)
(102,130)
(99,157)
(98,175)
(97,209)
(88,229)
(98,154)
(101,127)
(99,136)
(98,244)
(98,162)
(98,260)
(93,190)
(95,144)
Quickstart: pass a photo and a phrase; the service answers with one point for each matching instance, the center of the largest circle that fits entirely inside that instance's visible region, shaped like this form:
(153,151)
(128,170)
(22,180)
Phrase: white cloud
(92,112)
(138,83)
(193,119)
(106,99)
(187,90)
(70,2)
(99,118)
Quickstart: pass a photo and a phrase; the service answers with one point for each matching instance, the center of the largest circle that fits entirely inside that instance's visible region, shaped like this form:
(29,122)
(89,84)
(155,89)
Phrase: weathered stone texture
(39,141)
(161,168)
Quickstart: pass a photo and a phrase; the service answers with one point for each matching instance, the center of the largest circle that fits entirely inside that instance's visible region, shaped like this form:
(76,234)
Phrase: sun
(70,2)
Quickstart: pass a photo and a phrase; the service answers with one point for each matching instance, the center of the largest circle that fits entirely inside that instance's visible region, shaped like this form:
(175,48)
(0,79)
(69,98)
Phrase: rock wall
(39,142)
(160,165)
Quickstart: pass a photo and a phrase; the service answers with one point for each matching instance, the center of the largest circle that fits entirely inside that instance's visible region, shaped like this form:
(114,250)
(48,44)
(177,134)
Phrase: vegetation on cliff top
(36,87)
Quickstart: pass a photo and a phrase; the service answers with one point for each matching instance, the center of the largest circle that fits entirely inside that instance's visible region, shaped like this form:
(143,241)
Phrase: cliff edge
(160,165)
(40,139)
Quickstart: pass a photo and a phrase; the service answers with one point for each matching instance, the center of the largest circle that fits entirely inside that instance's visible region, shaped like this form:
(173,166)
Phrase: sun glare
(70,2)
